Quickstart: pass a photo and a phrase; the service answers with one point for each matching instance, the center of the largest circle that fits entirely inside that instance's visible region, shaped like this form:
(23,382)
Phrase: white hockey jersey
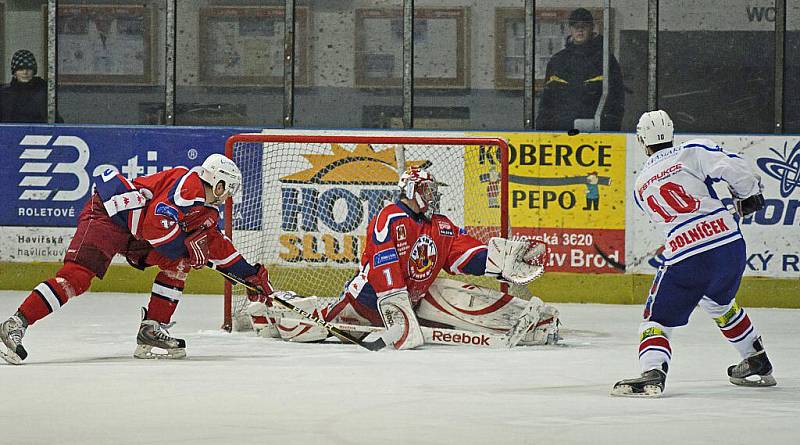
(675,190)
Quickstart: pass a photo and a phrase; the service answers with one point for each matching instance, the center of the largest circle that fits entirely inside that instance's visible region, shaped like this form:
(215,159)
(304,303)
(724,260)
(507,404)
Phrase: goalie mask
(218,168)
(420,186)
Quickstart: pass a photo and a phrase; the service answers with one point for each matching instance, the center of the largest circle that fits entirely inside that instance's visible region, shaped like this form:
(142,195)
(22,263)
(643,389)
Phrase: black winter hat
(580,15)
(23,59)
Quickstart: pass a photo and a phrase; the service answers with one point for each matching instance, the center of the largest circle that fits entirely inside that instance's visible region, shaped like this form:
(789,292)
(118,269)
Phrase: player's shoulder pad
(699,149)
(189,190)
(383,222)
(701,143)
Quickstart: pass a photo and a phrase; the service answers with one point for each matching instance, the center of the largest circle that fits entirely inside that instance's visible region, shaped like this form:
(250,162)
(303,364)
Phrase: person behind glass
(574,81)
(25,98)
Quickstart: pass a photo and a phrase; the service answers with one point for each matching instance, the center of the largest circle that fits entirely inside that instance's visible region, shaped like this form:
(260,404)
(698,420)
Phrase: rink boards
(602,253)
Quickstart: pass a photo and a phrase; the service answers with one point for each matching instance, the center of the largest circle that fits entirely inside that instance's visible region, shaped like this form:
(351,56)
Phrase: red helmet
(420,186)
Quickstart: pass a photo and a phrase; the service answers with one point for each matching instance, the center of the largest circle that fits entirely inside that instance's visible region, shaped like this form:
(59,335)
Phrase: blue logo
(385,257)
(168,211)
(786,169)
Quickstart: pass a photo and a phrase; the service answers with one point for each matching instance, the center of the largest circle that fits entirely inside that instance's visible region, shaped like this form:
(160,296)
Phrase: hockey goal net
(306,201)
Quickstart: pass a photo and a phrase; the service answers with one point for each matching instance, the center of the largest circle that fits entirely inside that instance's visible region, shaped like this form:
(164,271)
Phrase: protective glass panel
(469,62)
(354,65)
(791,92)
(230,62)
(629,45)
(109,53)
(715,65)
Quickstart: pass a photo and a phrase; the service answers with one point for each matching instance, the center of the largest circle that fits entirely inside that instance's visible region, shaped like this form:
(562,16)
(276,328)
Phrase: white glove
(515,261)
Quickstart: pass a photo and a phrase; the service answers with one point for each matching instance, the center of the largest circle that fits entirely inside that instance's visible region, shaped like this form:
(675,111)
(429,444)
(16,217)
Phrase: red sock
(164,298)
(47,297)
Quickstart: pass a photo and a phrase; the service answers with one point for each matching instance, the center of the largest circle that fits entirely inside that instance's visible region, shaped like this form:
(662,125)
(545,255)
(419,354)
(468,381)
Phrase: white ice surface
(80,384)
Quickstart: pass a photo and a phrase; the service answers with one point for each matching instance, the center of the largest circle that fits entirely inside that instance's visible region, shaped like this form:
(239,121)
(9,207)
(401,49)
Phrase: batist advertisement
(319,198)
(47,174)
(568,191)
(771,234)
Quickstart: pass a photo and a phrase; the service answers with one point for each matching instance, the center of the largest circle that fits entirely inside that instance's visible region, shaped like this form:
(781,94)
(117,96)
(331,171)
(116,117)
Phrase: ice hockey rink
(80,384)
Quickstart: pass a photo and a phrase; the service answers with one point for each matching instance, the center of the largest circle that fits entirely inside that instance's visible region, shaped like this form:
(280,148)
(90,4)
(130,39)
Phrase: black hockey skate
(11,332)
(153,334)
(650,384)
(755,370)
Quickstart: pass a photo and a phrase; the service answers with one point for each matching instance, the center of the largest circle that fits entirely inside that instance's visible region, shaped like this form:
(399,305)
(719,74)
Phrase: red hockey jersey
(153,208)
(406,251)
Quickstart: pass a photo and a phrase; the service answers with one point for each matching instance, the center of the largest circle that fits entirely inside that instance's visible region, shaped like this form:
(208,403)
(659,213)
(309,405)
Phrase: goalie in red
(167,219)
(408,244)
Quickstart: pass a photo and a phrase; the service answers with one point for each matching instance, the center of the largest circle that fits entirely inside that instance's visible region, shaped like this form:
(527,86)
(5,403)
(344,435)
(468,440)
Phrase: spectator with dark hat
(25,98)
(574,81)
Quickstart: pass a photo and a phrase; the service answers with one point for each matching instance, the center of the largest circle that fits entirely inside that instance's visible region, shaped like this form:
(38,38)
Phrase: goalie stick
(376,345)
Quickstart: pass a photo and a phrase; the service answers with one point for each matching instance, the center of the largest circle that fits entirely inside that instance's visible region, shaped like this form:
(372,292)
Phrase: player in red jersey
(167,219)
(408,244)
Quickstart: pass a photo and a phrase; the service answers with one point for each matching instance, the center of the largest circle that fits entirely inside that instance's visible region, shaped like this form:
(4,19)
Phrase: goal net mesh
(305,204)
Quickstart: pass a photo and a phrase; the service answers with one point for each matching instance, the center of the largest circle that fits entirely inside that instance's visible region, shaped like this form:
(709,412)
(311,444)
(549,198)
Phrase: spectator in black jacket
(25,98)
(574,81)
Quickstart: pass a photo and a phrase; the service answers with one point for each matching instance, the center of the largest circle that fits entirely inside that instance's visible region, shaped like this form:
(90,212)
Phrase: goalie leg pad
(262,318)
(293,327)
(349,310)
(402,326)
(479,309)
(469,307)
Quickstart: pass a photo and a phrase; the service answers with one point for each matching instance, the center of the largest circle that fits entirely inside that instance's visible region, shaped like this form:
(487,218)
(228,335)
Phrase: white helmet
(218,168)
(420,186)
(654,127)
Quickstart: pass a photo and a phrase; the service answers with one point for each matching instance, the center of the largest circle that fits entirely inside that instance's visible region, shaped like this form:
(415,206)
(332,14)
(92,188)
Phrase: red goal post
(306,200)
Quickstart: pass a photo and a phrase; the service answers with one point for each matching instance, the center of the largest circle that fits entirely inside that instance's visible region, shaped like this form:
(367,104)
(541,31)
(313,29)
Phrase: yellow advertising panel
(556,180)
(568,191)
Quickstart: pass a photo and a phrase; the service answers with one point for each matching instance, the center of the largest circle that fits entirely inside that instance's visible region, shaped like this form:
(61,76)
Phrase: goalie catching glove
(515,261)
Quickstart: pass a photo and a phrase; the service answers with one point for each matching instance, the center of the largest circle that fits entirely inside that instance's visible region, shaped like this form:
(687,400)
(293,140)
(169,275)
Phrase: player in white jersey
(704,252)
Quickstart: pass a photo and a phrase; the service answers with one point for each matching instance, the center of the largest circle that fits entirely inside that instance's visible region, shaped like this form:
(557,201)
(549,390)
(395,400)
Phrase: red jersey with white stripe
(174,193)
(406,251)
(153,208)
(674,190)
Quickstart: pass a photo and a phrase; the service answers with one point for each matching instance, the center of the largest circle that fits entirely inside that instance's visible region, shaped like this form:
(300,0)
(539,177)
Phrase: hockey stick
(376,345)
(615,264)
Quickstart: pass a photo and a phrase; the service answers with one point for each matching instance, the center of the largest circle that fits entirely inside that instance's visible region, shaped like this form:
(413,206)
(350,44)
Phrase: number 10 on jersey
(676,198)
